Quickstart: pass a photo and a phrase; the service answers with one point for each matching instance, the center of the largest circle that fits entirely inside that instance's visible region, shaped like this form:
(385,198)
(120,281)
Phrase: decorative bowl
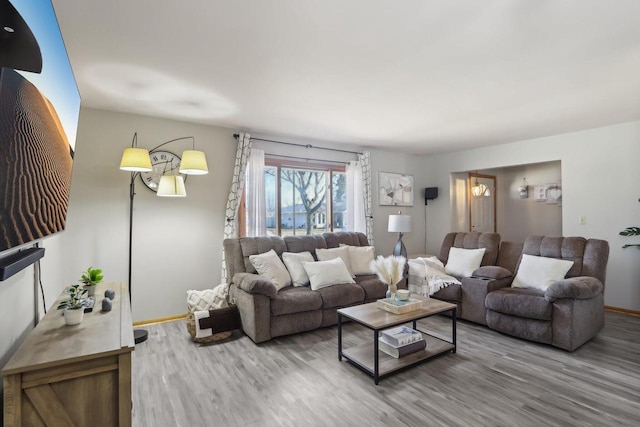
(403,294)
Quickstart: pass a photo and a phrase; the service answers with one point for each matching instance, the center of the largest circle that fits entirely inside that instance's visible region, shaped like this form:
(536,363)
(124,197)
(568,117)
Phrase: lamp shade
(135,160)
(193,163)
(171,186)
(399,223)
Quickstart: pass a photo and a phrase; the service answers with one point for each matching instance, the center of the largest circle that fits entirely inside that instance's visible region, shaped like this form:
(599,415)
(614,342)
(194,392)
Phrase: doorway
(482,203)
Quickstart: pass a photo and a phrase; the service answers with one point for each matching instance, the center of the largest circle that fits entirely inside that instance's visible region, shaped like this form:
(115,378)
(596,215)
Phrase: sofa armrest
(255,284)
(582,287)
(492,272)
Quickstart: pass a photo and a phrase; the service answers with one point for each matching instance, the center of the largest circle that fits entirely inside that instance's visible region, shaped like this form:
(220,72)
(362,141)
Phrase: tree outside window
(304,200)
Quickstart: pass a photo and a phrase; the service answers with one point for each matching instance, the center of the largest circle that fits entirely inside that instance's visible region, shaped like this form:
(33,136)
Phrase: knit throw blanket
(432,270)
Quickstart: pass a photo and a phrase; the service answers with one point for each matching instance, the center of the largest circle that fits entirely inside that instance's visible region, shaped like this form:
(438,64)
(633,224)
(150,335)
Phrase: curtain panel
(235,194)
(365,164)
(356,219)
(255,201)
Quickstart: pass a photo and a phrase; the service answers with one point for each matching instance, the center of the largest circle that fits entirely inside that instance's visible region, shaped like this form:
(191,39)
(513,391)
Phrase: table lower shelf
(362,355)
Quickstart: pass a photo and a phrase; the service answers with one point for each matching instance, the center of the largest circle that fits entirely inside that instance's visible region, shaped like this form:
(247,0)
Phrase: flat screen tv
(39,109)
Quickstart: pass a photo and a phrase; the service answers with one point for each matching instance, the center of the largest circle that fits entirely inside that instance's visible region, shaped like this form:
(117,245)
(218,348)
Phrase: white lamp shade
(135,160)
(399,223)
(193,163)
(171,186)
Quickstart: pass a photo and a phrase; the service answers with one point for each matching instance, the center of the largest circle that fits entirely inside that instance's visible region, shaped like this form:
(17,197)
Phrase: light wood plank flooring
(493,380)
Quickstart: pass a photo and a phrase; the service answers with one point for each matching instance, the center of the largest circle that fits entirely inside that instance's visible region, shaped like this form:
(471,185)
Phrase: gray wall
(176,241)
(519,218)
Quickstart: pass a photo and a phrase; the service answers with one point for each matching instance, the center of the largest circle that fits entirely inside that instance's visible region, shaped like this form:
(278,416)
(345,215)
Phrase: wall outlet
(582,220)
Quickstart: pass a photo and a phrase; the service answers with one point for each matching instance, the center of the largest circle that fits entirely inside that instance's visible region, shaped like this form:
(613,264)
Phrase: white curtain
(256,206)
(355,201)
(365,164)
(235,194)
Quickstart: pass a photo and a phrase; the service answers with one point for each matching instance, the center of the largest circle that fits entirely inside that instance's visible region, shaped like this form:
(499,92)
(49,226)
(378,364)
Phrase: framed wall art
(395,189)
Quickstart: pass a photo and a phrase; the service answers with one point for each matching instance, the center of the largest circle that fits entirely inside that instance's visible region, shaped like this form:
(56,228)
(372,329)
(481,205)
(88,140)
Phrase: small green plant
(92,276)
(631,231)
(76,298)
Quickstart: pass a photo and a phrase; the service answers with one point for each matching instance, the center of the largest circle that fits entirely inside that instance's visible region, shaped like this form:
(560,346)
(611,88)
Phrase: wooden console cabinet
(74,375)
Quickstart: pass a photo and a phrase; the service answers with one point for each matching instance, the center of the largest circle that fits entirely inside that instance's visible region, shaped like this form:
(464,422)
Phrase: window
(304,198)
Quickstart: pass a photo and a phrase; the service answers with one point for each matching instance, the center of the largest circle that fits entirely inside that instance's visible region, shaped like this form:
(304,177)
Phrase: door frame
(470,197)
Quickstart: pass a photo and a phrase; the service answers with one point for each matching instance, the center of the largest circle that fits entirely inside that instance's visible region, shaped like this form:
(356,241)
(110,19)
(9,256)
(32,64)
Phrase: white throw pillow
(538,272)
(463,262)
(327,273)
(360,258)
(293,261)
(340,252)
(270,266)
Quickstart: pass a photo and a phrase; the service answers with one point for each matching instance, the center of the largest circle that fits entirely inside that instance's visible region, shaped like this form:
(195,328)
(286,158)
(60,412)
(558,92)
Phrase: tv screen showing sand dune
(39,108)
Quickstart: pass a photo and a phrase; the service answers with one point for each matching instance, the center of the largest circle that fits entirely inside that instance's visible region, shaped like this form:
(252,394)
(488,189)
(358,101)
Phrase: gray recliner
(571,311)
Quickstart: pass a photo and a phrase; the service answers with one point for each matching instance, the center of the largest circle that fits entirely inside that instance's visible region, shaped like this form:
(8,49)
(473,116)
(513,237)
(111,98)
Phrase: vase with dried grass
(390,271)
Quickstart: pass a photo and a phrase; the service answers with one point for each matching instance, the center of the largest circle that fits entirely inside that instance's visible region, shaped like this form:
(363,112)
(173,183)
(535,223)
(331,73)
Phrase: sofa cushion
(350,238)
(360,258)
(295,300)
(527,303)
(341,252)
(463,262)
(452,293)
(540,272)
(341,295)
(293,261)
(304,243)
(269,265)
(258,245)
(327,273)
(473,240)
(373,288)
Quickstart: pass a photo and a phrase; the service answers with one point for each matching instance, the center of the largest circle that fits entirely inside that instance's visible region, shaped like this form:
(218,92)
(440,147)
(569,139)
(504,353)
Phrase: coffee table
(378,364)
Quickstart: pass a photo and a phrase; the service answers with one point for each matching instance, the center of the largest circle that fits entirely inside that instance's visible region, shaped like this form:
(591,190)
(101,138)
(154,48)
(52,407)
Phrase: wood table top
(376,318)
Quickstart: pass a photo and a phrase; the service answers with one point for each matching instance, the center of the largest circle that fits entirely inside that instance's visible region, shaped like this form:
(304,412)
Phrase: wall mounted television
(39,110)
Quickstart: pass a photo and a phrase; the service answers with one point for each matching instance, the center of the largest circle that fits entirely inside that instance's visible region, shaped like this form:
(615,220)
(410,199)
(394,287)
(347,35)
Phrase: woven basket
(191,328)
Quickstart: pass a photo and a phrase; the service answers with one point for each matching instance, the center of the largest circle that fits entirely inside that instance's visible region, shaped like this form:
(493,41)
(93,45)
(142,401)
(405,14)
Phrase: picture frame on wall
(395,189)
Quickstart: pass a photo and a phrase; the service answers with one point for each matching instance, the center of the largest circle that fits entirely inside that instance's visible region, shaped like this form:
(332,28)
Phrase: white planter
(91,290)
(73,317)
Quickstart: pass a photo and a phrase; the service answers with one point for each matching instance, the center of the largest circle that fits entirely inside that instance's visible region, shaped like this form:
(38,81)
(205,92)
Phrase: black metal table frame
(376,355)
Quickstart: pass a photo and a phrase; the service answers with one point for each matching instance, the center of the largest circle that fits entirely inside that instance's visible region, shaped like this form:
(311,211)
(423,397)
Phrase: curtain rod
(304,158)
(235,135)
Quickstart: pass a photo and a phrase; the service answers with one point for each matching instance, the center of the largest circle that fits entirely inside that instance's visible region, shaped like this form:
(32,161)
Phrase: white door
(482,203)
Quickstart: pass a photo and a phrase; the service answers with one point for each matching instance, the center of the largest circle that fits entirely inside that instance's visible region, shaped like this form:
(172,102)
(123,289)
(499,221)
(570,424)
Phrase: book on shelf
(403,350)
(401,335)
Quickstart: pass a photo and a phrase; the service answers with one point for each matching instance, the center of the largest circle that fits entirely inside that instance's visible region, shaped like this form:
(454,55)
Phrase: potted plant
(74,306)
(631,231)
(91,278)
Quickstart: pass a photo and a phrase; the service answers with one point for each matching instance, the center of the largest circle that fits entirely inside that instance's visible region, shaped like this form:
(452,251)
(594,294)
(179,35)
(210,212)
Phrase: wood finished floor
(493,380)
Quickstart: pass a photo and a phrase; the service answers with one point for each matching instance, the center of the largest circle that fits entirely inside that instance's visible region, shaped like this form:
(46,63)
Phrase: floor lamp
(137,160)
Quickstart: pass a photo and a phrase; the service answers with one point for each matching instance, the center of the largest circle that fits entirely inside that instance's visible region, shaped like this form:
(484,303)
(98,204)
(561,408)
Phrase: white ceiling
(420,76)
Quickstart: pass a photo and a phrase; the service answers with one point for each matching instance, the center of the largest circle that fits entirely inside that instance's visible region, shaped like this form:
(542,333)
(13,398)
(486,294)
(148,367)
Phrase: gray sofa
(571,311)
(267,313)
(568,314)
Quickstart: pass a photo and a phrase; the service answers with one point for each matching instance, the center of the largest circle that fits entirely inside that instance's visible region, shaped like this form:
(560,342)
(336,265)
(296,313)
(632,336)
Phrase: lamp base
(140,335)
(399,249)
